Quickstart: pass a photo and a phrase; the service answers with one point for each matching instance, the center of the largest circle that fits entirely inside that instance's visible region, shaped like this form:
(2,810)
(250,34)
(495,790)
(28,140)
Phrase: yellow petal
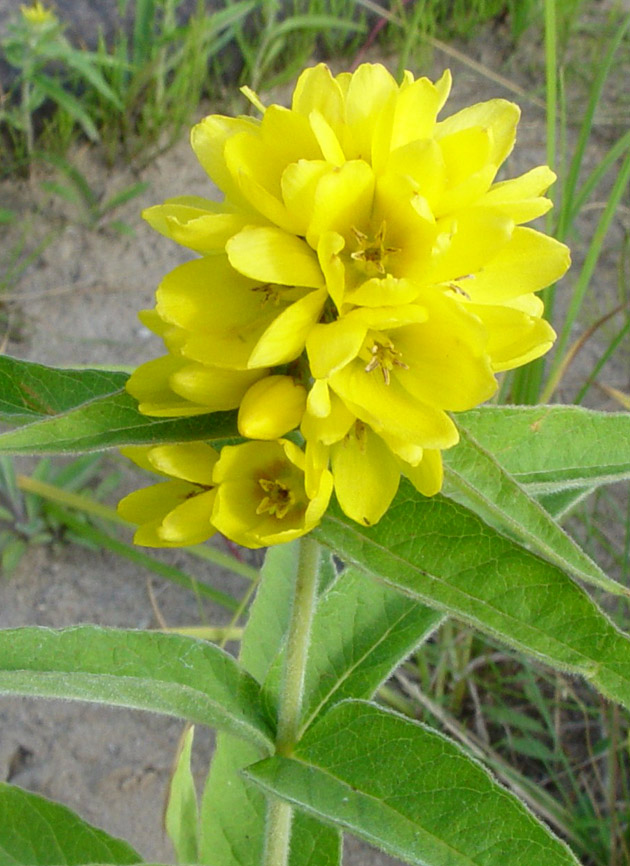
(208,295)
(390,408)
(328,249)
(189,522)
(466,243)
(150,384)
(271,255)
(154,502)
(527,263)
(317,90)
(416,109)
(271,407)
(343,201)
(201,229)
(285,337)
(422,161)
(190,461)
(218,390)
(497,116)
(331,346)
(208,139)
(299,183)
(514,337)
(326,138)
(318,400)
(521,198)
(369,90)
(427,477)
(365,475)
(332,427)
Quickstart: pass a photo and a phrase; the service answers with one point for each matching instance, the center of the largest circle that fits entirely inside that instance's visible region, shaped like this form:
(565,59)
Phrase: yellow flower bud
(271,407)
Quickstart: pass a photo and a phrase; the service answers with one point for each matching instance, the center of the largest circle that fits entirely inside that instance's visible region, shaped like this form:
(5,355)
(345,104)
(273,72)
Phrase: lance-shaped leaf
(87,410)
(362,630)
(474,475)
(165,673)
(438,552)
(408,790)
(233,808)
(30,392)
(37,832)
(553,447)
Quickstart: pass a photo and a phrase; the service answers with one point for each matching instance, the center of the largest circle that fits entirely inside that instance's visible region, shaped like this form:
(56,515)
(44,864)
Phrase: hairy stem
(280,814)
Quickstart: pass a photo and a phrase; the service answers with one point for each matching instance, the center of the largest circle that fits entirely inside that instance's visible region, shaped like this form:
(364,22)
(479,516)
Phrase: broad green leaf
(30,392)
(181,818)
(165,673)
(110,422)
(438,552)
(552,447)
(362,631)
(408,790)
(233,809)
(37,832)
(493,493)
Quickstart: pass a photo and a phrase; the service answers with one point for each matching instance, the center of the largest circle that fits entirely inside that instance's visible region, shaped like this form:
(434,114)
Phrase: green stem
(289,713)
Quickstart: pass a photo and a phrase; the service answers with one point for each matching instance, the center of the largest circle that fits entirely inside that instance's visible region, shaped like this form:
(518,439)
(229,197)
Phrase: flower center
(271,293)
(385,356)
(372,252)
(278,499)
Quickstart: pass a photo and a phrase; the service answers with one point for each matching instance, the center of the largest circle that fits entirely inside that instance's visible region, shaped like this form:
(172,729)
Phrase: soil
(76,304)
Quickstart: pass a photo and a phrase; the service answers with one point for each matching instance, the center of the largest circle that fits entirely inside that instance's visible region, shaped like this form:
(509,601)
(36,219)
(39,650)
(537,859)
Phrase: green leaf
(409,790)
(67,102)
(362,631)
(438,552)
(111,422)
(87,410)
(165,673)
(38,832)
(29,392)
(182,816)
(493,493)
(233,809)
(553,447)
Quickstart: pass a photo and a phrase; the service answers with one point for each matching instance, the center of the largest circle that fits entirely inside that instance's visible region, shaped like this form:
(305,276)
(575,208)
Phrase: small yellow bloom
(37,15)
(174,513)
(261,496)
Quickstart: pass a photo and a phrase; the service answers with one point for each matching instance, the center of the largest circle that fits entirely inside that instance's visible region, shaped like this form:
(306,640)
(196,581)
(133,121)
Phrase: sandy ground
(77,305)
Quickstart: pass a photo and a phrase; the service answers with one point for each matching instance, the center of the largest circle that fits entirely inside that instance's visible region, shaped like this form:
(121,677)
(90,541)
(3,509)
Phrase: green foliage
(182,818)
(165,673)
(408,790)
(104,413)
(36,832)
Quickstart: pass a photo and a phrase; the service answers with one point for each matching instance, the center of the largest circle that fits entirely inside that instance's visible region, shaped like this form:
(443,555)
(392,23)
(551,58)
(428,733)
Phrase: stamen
(372,252)
(386,357)
(271,292)
(278,501)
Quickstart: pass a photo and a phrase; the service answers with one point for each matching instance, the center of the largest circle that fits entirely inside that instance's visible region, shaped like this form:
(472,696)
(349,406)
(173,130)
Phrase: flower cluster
(363,277)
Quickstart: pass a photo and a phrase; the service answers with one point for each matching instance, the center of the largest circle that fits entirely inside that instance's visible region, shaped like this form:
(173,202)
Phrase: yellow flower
(261,496)
(37,15)
(177,512)
(366,467)
(364,276)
